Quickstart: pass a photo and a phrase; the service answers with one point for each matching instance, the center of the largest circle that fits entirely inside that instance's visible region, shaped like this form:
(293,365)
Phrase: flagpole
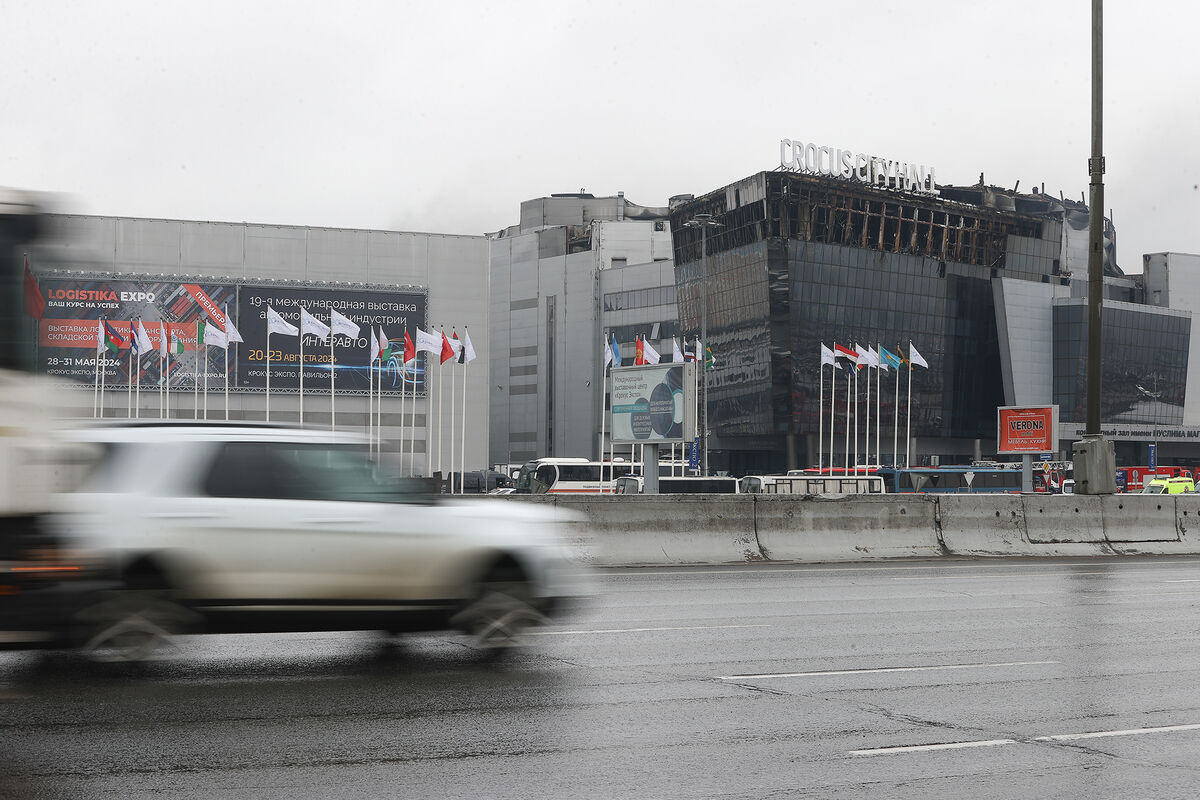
(227,373)
(137,403)
(302,367)
(439,416)
(96,384)
(371,399)
(129,383)
(379,410)
(268,370)
(161,371)
(896,420)
(821,413)
(462,444)
(908,417)
(453,384)
(205,351)
(832,405)
(403,405)
(848,381)
(878,407)
(332,388)
(103,375)
(412,421)
(856,371)
(867,427)
(196,377)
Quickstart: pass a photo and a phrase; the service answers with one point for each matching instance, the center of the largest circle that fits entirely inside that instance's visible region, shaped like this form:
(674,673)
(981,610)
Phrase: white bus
(569,476)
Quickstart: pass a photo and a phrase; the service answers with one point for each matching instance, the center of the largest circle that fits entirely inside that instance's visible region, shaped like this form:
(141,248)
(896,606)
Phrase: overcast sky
(445,116)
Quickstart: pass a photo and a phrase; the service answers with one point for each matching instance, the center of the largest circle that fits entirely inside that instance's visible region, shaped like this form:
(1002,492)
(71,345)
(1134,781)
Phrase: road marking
(1061,737)
(1185,580)
(822,673)
(938,568)
(920,748)
(644,630)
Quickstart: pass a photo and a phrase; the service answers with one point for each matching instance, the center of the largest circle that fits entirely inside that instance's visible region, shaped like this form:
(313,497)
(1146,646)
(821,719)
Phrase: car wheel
(132,625)
(501,613)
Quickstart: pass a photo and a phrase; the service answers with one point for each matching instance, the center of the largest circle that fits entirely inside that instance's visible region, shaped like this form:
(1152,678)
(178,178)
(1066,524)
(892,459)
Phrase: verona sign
(838,163)
(1026,429)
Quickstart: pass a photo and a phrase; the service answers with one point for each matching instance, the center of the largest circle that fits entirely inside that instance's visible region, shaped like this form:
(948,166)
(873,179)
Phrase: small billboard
(1026,429)
(655,403)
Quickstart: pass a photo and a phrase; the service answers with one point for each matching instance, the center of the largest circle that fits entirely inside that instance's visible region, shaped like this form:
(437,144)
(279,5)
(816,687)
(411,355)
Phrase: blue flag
(616,351)
(890,358)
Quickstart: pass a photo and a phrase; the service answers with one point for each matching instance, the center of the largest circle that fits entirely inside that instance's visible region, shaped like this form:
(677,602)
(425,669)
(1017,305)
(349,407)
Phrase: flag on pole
(689,351)
(311,325)
(874,357)
(616,352)
(162,340)
(447,351)
(467,354)
(143,339)
(650,355)
(827,357)
(710,360)
(456,345)
(374,353)
(99,336)
(35,303)
(176,344)
(845,352)
(608,353)
(385,347)
(277,324)
(113,341)
(917,360)
(212,336)
(639,352)
(231,333)
(889,359)
(428,342)
(341,325)
(864,358)
(410,349)
(676,353)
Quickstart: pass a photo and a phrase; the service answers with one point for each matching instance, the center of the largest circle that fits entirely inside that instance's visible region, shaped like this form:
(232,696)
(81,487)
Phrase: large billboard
(1026,429)
(393,313)
(68,330)
(654,403)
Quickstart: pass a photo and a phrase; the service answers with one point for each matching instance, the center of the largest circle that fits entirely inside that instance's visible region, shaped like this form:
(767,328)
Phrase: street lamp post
(703,222)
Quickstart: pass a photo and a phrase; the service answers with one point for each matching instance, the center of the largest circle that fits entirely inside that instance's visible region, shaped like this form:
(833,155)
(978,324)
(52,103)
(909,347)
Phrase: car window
(303,471)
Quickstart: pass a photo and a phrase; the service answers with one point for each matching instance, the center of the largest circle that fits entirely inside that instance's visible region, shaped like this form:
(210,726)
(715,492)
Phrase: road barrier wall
(633,530)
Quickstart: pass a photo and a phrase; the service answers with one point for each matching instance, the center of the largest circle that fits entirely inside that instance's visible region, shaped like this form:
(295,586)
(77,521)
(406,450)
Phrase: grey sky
(443,117)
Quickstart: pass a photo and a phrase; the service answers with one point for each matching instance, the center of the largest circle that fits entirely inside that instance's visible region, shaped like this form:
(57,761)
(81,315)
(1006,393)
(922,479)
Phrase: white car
(244,528)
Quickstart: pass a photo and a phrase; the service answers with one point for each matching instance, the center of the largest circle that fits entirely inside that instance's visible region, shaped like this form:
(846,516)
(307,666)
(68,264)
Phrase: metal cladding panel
(276,252)
(533,214)
(148,244)
(397,258)
(337,255)
(1028,319)
(211,248)
(83,241)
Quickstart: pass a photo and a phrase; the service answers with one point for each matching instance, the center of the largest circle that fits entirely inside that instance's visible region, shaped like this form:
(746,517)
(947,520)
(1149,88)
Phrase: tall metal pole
(704,339)
(1096,223)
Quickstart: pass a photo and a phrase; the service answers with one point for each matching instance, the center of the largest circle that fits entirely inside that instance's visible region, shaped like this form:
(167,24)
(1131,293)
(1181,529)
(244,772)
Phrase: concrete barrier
(1132,518)
(982,525)
(669,529)
(846,528)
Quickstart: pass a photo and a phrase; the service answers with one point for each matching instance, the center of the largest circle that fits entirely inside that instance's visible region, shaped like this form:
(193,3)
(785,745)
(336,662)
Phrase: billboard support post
(650,469)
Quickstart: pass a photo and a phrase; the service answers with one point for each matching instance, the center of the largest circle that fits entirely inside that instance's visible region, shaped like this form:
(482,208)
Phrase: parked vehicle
(1134,479)
(569,476)
(635,484)
(224,527)
(812,484)
(1169,486)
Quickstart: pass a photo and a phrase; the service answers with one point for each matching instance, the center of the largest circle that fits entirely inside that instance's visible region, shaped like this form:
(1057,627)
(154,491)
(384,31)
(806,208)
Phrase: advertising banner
(70,326)
(393,313)
(1026,429)
(654,403)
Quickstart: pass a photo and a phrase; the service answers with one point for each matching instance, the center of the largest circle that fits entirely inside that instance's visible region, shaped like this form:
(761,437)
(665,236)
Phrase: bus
(569,476)
(798,482)
(962,478)
(713,484)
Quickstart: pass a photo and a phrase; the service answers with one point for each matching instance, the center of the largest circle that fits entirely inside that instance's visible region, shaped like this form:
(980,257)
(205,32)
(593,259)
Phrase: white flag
(144,345)
(99,336)
(676,353)
(608,355)
(214,336)
(429,342)
(374,347)
(277,324)
(915,358)
(468,350)
(342,325)
(649,353)
(382,344)
(455,345)
(162,340)
(874,356)
(311,325)
(827,356)
(231,333)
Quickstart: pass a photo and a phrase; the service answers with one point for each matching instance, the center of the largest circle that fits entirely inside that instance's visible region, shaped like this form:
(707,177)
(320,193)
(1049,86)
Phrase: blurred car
(503,490)
(1169,486)
(249,528)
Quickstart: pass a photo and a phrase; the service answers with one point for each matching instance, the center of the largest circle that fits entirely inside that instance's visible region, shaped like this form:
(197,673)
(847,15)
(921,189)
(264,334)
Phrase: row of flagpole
(445,348)
(879,360)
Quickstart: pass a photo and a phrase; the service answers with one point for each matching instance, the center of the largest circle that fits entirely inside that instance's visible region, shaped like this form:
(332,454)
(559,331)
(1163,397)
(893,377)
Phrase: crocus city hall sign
(838,163)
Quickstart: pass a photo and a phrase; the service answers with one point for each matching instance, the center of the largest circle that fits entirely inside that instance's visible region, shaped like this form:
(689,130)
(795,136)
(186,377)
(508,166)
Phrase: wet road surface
(939,679)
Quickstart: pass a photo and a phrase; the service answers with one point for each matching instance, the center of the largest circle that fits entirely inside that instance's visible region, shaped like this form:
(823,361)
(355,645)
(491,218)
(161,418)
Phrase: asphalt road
(938,679)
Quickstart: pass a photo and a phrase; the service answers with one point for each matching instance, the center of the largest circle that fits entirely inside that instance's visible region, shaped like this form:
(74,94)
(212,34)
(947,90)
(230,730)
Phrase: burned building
(989,284)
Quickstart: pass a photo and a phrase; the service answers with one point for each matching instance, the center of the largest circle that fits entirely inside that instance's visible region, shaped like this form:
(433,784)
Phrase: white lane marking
(643,630)
(1185,580)
(1061,737)
(939,569)
(1071,737)
(822,673)
(918,748)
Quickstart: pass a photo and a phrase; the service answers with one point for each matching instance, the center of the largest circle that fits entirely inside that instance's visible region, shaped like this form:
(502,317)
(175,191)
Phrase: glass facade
(1144,363)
